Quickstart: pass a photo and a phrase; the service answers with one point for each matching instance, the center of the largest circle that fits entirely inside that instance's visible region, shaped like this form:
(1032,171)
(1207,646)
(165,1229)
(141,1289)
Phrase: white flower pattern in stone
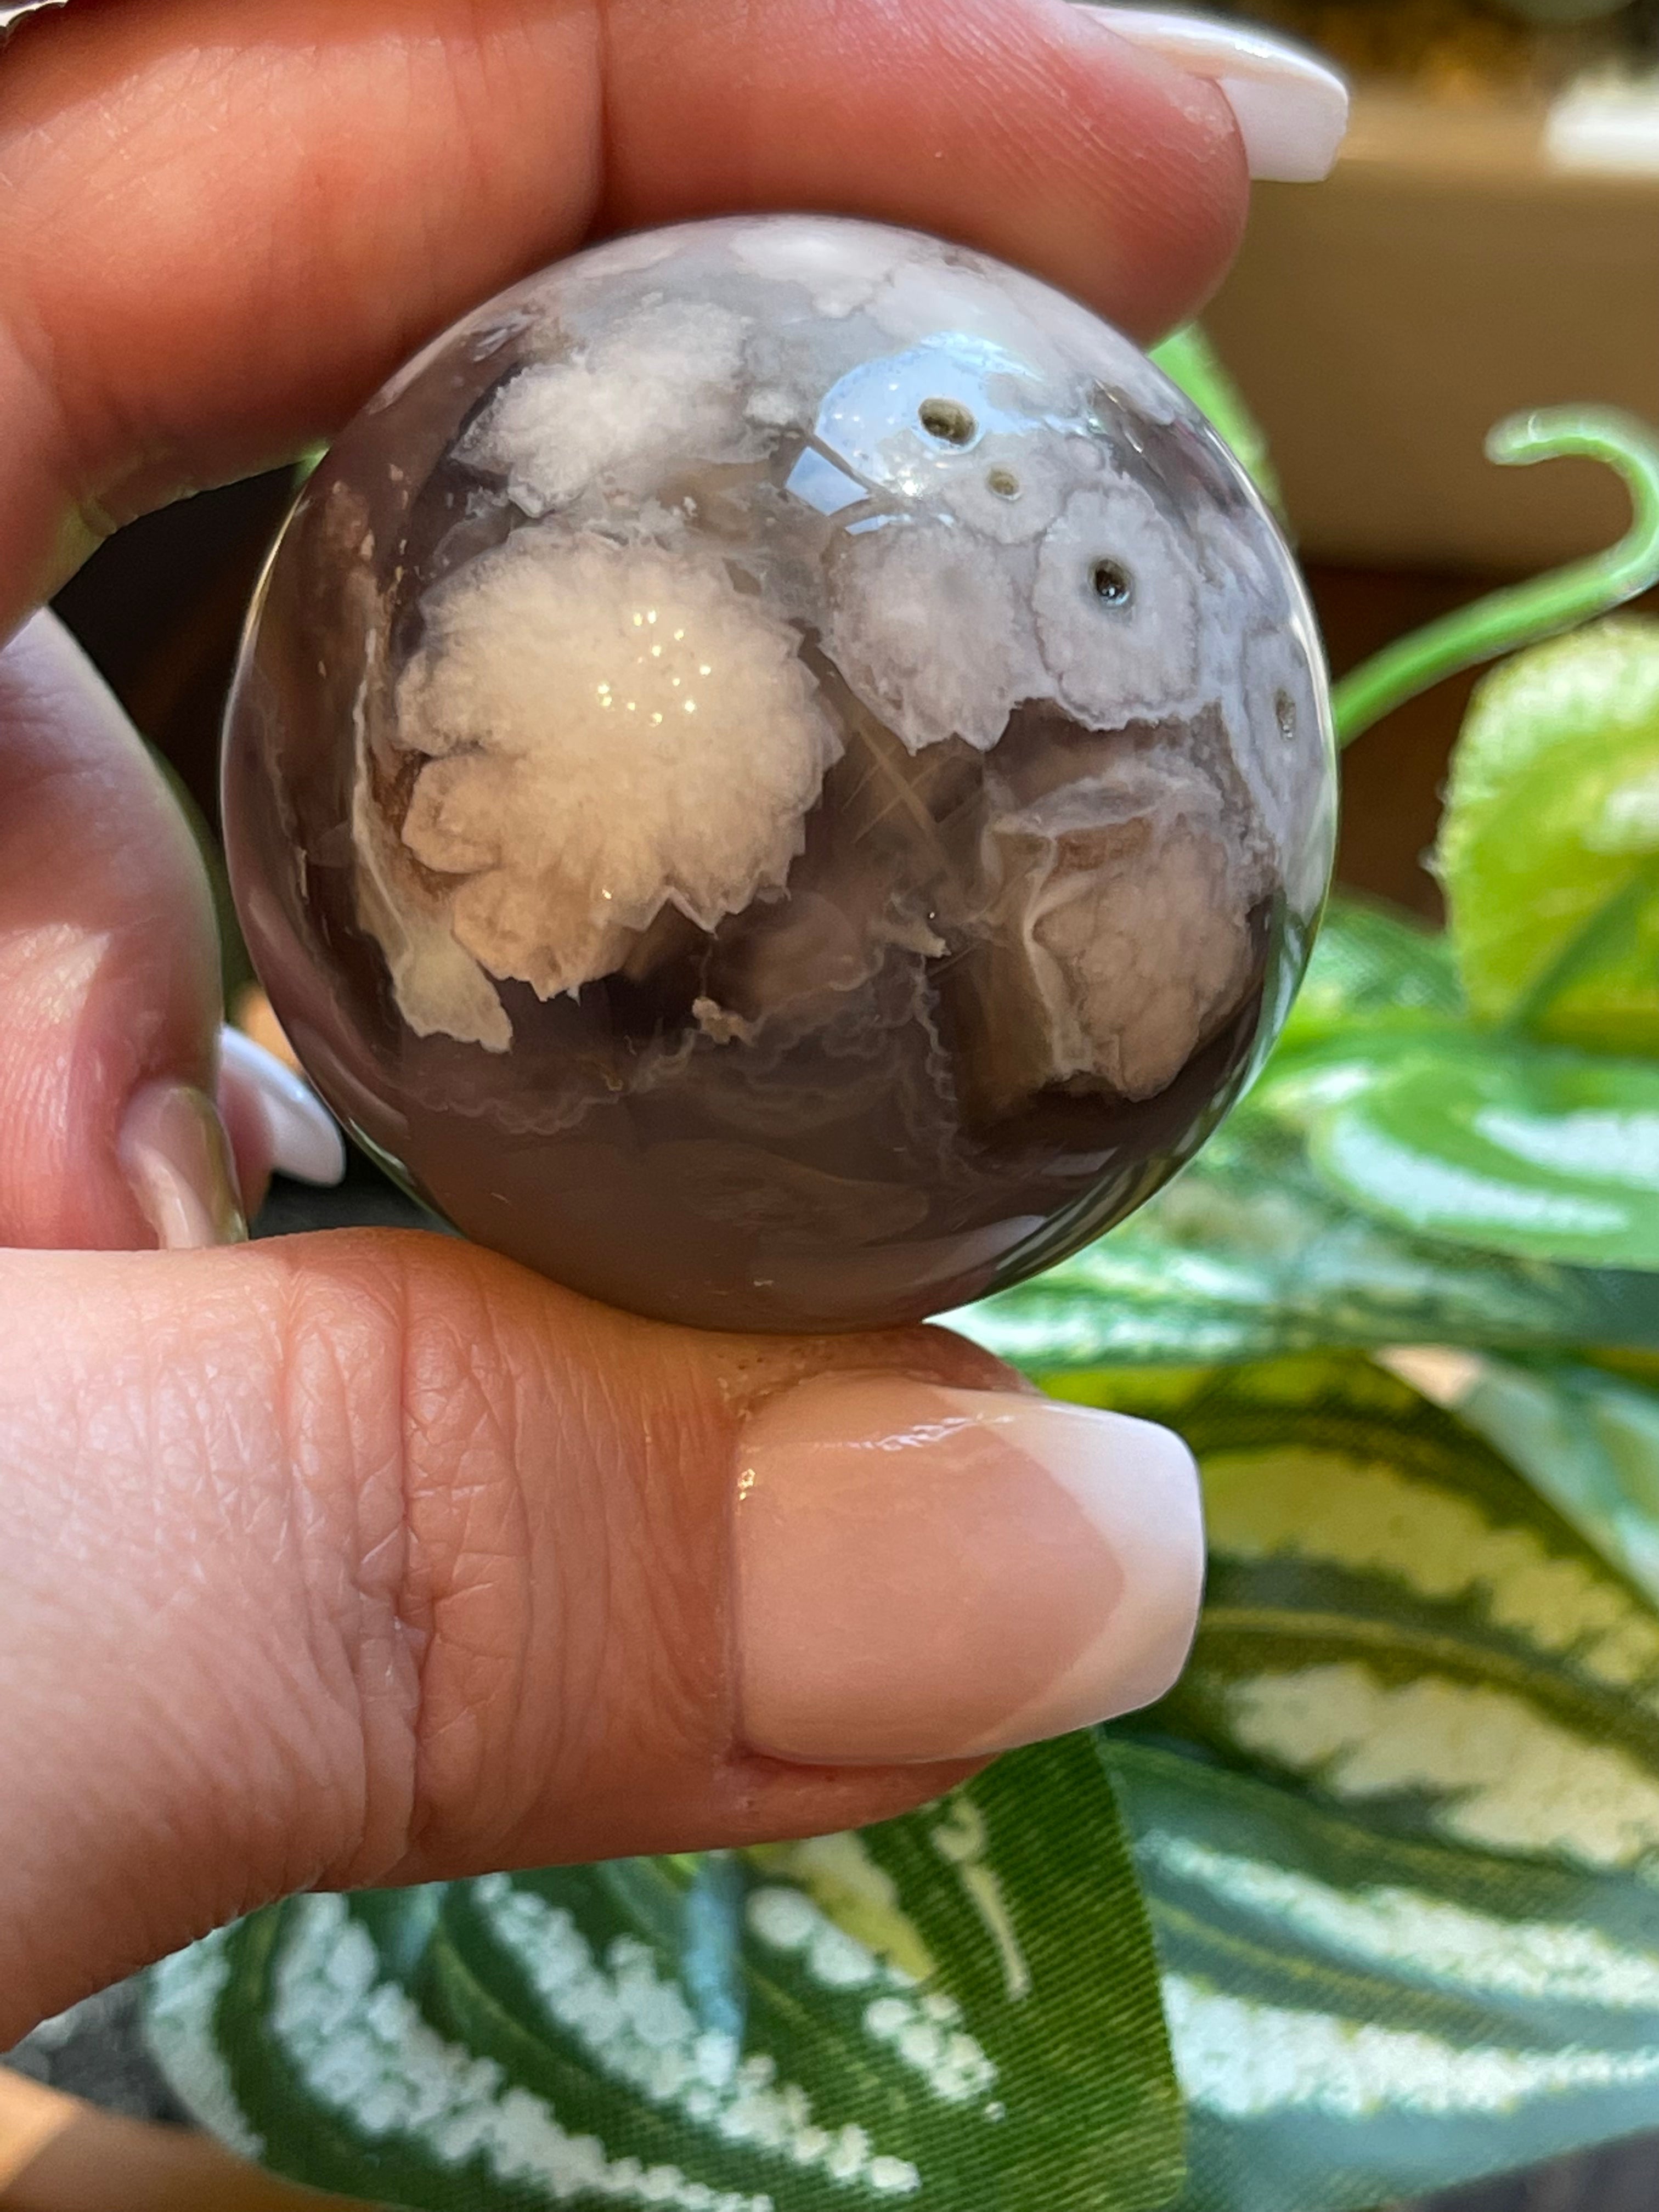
(798,689)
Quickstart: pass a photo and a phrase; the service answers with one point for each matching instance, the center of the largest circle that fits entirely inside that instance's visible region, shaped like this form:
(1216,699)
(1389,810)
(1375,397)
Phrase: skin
(371,1558)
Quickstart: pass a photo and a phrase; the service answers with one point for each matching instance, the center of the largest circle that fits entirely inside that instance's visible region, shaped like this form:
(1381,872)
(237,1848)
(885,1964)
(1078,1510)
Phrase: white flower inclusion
(609,730)
(1133,930)
(658,386)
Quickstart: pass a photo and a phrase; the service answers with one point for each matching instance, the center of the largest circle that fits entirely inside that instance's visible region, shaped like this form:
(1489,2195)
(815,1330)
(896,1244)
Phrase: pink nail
(930,1574)
(177,1159)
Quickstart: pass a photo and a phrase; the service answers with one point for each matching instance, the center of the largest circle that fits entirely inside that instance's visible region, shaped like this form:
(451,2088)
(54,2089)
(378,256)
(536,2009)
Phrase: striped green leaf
(1372,966)
(958,2008)
(1398,1824)
(1464,1137)
(1490,1142)
(1249,1253)
(1588,1440)
(1252,1251)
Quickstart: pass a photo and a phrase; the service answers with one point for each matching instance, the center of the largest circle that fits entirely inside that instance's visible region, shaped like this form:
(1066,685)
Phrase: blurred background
(1490,241)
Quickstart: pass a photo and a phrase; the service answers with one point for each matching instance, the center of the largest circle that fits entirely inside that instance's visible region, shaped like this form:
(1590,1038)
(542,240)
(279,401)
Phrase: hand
(370,1558)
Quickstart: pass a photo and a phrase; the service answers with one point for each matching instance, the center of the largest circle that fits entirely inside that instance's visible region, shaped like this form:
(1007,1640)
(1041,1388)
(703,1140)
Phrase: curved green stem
(1523,613)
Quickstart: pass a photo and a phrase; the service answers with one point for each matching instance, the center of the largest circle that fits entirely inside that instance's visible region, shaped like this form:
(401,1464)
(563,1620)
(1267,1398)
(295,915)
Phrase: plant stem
(1523,614)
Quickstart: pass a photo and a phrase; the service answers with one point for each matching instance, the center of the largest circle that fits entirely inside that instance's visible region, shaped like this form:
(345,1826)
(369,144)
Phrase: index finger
(222,229)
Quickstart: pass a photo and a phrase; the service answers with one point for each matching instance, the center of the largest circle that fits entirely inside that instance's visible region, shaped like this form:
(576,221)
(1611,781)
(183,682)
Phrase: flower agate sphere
(781,774)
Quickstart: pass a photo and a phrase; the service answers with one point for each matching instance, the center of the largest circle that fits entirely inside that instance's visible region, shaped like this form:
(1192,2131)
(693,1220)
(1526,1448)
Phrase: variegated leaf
(1372,963)
(1250,1251)
(1399,1825)
(957,2008)
(1486,1143)
(1587,1439)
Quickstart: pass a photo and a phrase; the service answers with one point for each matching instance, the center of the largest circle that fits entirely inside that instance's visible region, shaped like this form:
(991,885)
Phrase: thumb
(373,1559)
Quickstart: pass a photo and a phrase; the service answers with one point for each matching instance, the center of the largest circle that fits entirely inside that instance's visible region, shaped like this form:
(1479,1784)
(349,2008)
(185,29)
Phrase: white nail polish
(305,1141)
(1291,107)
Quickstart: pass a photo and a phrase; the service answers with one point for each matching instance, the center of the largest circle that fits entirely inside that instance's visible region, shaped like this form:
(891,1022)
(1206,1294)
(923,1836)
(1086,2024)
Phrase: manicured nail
(305,1140)
(177,1160)
(1292,108)
(932,1574)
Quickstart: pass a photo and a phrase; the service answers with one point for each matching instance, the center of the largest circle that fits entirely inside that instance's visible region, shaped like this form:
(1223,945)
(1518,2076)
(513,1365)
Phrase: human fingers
(373,1559)
(112,1084)
(222,229)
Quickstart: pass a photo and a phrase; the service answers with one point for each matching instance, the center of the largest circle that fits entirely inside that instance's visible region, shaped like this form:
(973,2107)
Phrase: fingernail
(177,1159)
(1292,108)
(925,1573)
(305,1140)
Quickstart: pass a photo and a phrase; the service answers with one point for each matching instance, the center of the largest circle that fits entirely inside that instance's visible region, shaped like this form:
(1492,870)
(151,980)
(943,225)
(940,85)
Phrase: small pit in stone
(1004,483)
(948,421)
(1284,715)
(1111,583)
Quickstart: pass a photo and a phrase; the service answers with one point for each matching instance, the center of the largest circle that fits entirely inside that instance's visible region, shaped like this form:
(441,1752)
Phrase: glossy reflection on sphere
(781,774)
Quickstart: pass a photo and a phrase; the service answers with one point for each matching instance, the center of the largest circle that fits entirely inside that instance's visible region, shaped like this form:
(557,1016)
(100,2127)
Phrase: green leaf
(1249,1253)
(1398,1824)
(1549,1155)
(1550,842)
(957,2008)
(1461,1137)
(1188,359)
(1372,965)
(1586,1439)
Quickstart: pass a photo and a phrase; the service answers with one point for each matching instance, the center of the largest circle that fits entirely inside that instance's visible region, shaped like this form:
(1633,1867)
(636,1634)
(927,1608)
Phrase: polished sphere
(781,774)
